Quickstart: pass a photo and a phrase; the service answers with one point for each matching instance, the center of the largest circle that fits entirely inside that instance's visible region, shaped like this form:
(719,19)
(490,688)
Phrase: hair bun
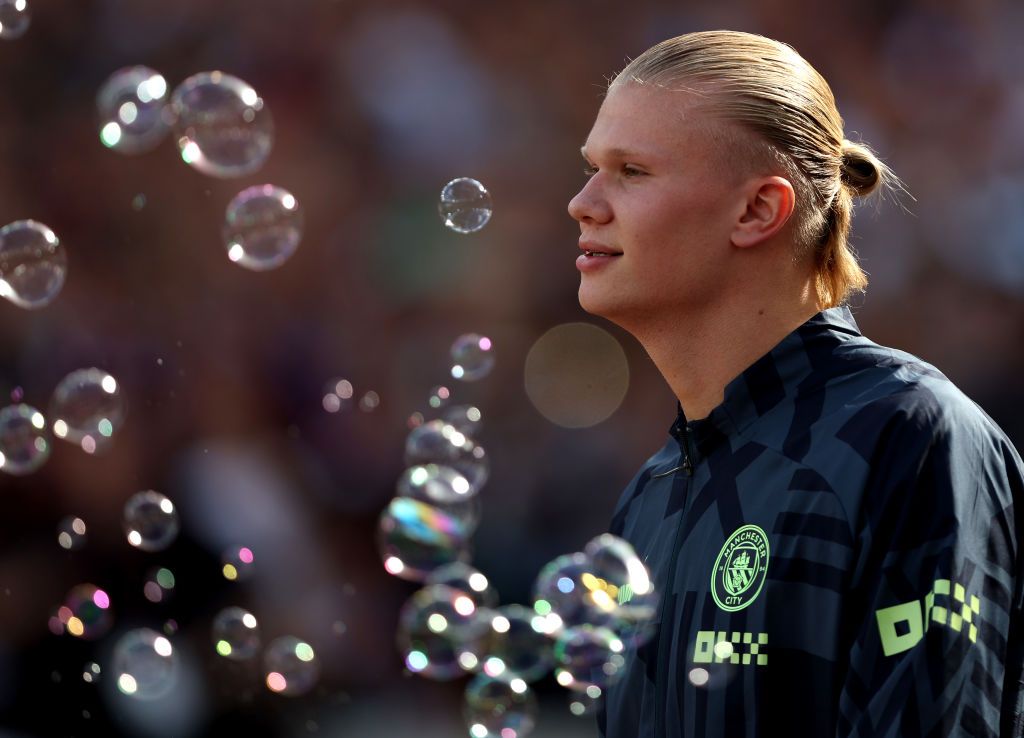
(861,170)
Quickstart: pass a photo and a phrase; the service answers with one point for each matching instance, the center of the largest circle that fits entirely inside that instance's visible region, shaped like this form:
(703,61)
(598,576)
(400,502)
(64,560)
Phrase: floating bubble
(237,563)
(87,408)
(467,419)
(133,111)
(222,125)
(586,702)
(437,442)
(518,644)
(588,656)
(71,533)
(465,205)
(464,578)
(159,584)
(620,586)
(440,632)
(415,538)
(369,402)
(33,264)
(14,19)
(439,397)
(560,595)
(145,664)
(444,488)
(86,612)
(150,521)
(91,672)
(499,708)
(337,395)
(557,362)
(291,666)
(472,357)
(262,227)
(23,443)
(236,634)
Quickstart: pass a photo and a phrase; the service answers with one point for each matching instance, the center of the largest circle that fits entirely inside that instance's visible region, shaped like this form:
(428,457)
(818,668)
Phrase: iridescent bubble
(133,111)
(337,395)
(444,488)
(159,584)
(33,264)
(145,664)
(465,205)
(467,419)
(23,442)
(71,533)
(621,586)
(472,357)
(14,19)
(586,702)
(237,563)
(91,672)
(467,579)
(150,521)
(262,227)
(87,408)
(588,656)
(440,632)
(560,595)
(86,612)
(415,538)
(518,644)
(222,125)
(499,708)
(437,442)
(291,666)
(236,634)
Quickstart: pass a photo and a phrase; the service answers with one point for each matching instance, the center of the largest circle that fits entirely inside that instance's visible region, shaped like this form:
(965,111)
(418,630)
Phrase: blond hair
(766,87)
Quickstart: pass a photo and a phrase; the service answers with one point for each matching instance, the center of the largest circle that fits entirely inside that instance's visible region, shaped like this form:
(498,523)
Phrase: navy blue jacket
(838,550)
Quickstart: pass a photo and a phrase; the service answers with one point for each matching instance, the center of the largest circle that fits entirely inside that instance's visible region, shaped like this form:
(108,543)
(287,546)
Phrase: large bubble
(86,612)
(415,538)
(23,443)
(14,19)
(87,408)
(33,264)
(499,707)
(465,205)
(437,442)
(441,632)
(236,634)
(150,521)
(518,644)
(262,227)
(588,656)
(444,488)
(472,357)
(291,666)
(222,125)
(133,110)
(145,664)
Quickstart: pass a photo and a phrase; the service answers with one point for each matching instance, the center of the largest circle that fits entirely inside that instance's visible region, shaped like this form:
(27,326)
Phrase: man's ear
(769,205)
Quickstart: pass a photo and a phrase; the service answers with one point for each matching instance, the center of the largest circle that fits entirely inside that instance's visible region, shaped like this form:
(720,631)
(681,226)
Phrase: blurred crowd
(376,106)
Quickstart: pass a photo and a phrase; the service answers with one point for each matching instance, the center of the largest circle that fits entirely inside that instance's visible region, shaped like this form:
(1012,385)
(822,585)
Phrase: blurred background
(376,105)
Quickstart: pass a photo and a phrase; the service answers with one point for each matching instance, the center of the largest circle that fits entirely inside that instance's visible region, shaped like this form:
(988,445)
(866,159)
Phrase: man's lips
(591,248)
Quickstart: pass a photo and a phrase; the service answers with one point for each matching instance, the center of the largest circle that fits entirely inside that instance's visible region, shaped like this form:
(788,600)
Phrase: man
(833,526)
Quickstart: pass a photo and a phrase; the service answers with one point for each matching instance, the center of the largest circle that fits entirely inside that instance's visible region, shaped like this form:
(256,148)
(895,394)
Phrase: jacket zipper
(665,641)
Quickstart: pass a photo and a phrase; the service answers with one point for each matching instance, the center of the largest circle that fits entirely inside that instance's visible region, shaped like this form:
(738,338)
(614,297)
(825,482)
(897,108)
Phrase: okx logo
(740,568)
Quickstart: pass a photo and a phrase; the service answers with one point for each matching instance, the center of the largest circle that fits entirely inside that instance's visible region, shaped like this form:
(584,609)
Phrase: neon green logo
(740,569)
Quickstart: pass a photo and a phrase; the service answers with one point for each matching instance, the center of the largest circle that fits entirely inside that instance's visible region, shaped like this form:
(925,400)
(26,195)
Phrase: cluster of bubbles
(338,395)
(588,607)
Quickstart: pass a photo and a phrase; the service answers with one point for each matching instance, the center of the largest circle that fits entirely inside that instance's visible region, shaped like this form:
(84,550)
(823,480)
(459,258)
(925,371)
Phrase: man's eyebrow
(614,152)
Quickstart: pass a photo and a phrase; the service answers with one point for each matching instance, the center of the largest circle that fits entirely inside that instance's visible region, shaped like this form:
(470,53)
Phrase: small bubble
(465,205)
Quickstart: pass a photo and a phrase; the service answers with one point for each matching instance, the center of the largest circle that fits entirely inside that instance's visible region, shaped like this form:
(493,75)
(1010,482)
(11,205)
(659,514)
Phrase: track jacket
(838,551)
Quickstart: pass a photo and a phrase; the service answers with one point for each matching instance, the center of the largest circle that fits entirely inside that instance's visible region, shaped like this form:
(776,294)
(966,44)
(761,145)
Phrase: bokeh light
(14,19)
(238,563)
(441,632)
(134,116)
(159,584)
(467,579)
(150,521)
(71,533)
(86,612)
(290,666)
(145,664)
(236,634)
(437,442)
(472,357)
(87,408)
(497,707)
(518,644)
(24,446)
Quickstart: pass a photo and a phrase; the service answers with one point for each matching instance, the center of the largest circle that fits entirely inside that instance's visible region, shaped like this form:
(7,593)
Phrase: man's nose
(589,205)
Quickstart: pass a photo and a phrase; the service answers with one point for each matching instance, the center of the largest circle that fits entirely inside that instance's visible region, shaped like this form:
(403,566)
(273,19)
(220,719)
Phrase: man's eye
(631,171)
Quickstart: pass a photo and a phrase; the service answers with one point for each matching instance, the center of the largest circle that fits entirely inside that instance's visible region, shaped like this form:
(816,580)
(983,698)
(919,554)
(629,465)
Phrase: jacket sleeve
(934,606)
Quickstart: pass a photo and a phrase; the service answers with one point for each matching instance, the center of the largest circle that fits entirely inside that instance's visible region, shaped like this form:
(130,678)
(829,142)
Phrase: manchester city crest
(740,568)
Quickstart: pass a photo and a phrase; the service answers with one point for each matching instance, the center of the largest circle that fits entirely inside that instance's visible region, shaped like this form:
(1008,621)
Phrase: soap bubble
(291,666)
(369,402)
(499,708)
(518,644)
(222,125)
(440,632)
(262,227)
(86,612)
(71,533)
(465,205)
(87,408)
(588,656)
(437,442)
(159,584)
(560,595)
(145,664)
(586,702)
(472,357)
(33,264)
(237,563)
(23,444)
(133,111)
(337,395)
(439,397)
(467,579)
(236,634)
(415,538)
(150,521)
(14,19)
(467,419)
(444,488)
(621,587)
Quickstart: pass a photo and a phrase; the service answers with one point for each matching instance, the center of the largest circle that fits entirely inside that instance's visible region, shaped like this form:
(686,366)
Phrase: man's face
(661,196)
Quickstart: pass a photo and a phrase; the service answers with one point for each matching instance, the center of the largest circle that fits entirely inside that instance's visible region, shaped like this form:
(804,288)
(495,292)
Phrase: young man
(833,527)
